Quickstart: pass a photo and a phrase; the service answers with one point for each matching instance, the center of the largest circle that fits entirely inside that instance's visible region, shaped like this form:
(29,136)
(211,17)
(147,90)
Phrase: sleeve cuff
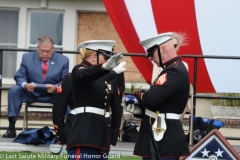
(23,84)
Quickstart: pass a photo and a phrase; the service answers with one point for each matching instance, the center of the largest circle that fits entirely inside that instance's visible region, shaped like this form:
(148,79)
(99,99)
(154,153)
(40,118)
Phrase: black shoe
(9,134)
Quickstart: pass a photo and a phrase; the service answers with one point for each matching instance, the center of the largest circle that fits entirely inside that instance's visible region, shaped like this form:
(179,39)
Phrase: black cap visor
(105,53)
(151,50)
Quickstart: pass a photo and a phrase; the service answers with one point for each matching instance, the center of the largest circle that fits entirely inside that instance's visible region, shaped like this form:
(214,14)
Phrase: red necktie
(44,69)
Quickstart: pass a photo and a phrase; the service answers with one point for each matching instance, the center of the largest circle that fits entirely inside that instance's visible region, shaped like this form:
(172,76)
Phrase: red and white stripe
(212,28)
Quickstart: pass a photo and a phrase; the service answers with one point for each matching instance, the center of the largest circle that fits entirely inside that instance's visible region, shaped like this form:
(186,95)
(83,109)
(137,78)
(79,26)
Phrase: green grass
(49,156)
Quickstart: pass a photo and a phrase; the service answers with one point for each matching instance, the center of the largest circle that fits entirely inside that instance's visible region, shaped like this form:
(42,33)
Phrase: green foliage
(227,102)
(127,158)
(133,88)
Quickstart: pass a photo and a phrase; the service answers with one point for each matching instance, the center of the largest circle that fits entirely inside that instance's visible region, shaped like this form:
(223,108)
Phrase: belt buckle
(104,112)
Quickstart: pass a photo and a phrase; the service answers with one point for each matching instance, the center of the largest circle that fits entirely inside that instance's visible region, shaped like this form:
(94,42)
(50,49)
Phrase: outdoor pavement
(6,144)
(122,148)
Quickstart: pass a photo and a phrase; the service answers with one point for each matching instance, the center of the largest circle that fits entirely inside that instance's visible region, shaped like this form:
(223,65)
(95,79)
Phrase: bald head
(168,51)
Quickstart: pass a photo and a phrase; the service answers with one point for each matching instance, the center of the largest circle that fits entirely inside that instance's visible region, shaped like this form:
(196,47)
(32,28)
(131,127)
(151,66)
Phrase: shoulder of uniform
(174,64)
(75,68)
(161,79)
(81,67)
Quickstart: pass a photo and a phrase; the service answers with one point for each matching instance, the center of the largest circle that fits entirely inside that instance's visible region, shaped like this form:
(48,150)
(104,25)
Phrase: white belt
(89,109)
(168,115)
(107,114)
(72,112)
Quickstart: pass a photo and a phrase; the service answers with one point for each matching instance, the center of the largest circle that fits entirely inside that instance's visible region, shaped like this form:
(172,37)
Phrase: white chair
(37,107)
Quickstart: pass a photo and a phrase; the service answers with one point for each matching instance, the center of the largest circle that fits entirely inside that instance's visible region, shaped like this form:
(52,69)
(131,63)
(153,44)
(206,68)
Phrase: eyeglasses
(45,51)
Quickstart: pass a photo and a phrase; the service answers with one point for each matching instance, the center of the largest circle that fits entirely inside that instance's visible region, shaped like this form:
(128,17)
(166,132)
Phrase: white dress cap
(156,40)
(106,45)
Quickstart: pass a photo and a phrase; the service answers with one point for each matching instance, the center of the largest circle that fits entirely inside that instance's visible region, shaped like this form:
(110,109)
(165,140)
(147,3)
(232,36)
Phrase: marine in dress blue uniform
(88,134)
(166,99)
(63,100)
(117,108)
(114,107)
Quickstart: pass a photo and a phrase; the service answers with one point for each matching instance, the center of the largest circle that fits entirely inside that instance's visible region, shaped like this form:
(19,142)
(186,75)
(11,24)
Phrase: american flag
(212,149)
(205,24)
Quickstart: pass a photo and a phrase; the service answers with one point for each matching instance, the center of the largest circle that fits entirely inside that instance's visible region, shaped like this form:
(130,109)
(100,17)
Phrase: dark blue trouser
(17,95)
(85,153)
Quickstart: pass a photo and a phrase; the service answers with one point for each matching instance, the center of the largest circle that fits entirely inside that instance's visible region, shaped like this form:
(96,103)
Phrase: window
(8,39)
(46,23)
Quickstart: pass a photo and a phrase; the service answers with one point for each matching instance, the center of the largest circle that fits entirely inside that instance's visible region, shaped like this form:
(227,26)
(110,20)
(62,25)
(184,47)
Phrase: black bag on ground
(129,131)
(202,126)
(38,136)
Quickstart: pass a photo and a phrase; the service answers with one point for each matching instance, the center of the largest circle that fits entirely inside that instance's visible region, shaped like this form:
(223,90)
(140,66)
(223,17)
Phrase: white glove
(131,108)
(120,68)
(119,56)
(113,61)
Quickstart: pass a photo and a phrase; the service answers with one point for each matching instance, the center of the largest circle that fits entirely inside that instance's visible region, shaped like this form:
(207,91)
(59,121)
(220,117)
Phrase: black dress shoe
(9,134)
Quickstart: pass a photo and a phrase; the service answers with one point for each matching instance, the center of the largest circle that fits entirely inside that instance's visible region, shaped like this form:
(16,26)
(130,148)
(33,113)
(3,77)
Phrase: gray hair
(182,39)
(45,39)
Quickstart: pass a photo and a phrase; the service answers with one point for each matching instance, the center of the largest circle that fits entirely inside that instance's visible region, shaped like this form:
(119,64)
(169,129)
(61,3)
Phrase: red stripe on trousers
(78,151)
